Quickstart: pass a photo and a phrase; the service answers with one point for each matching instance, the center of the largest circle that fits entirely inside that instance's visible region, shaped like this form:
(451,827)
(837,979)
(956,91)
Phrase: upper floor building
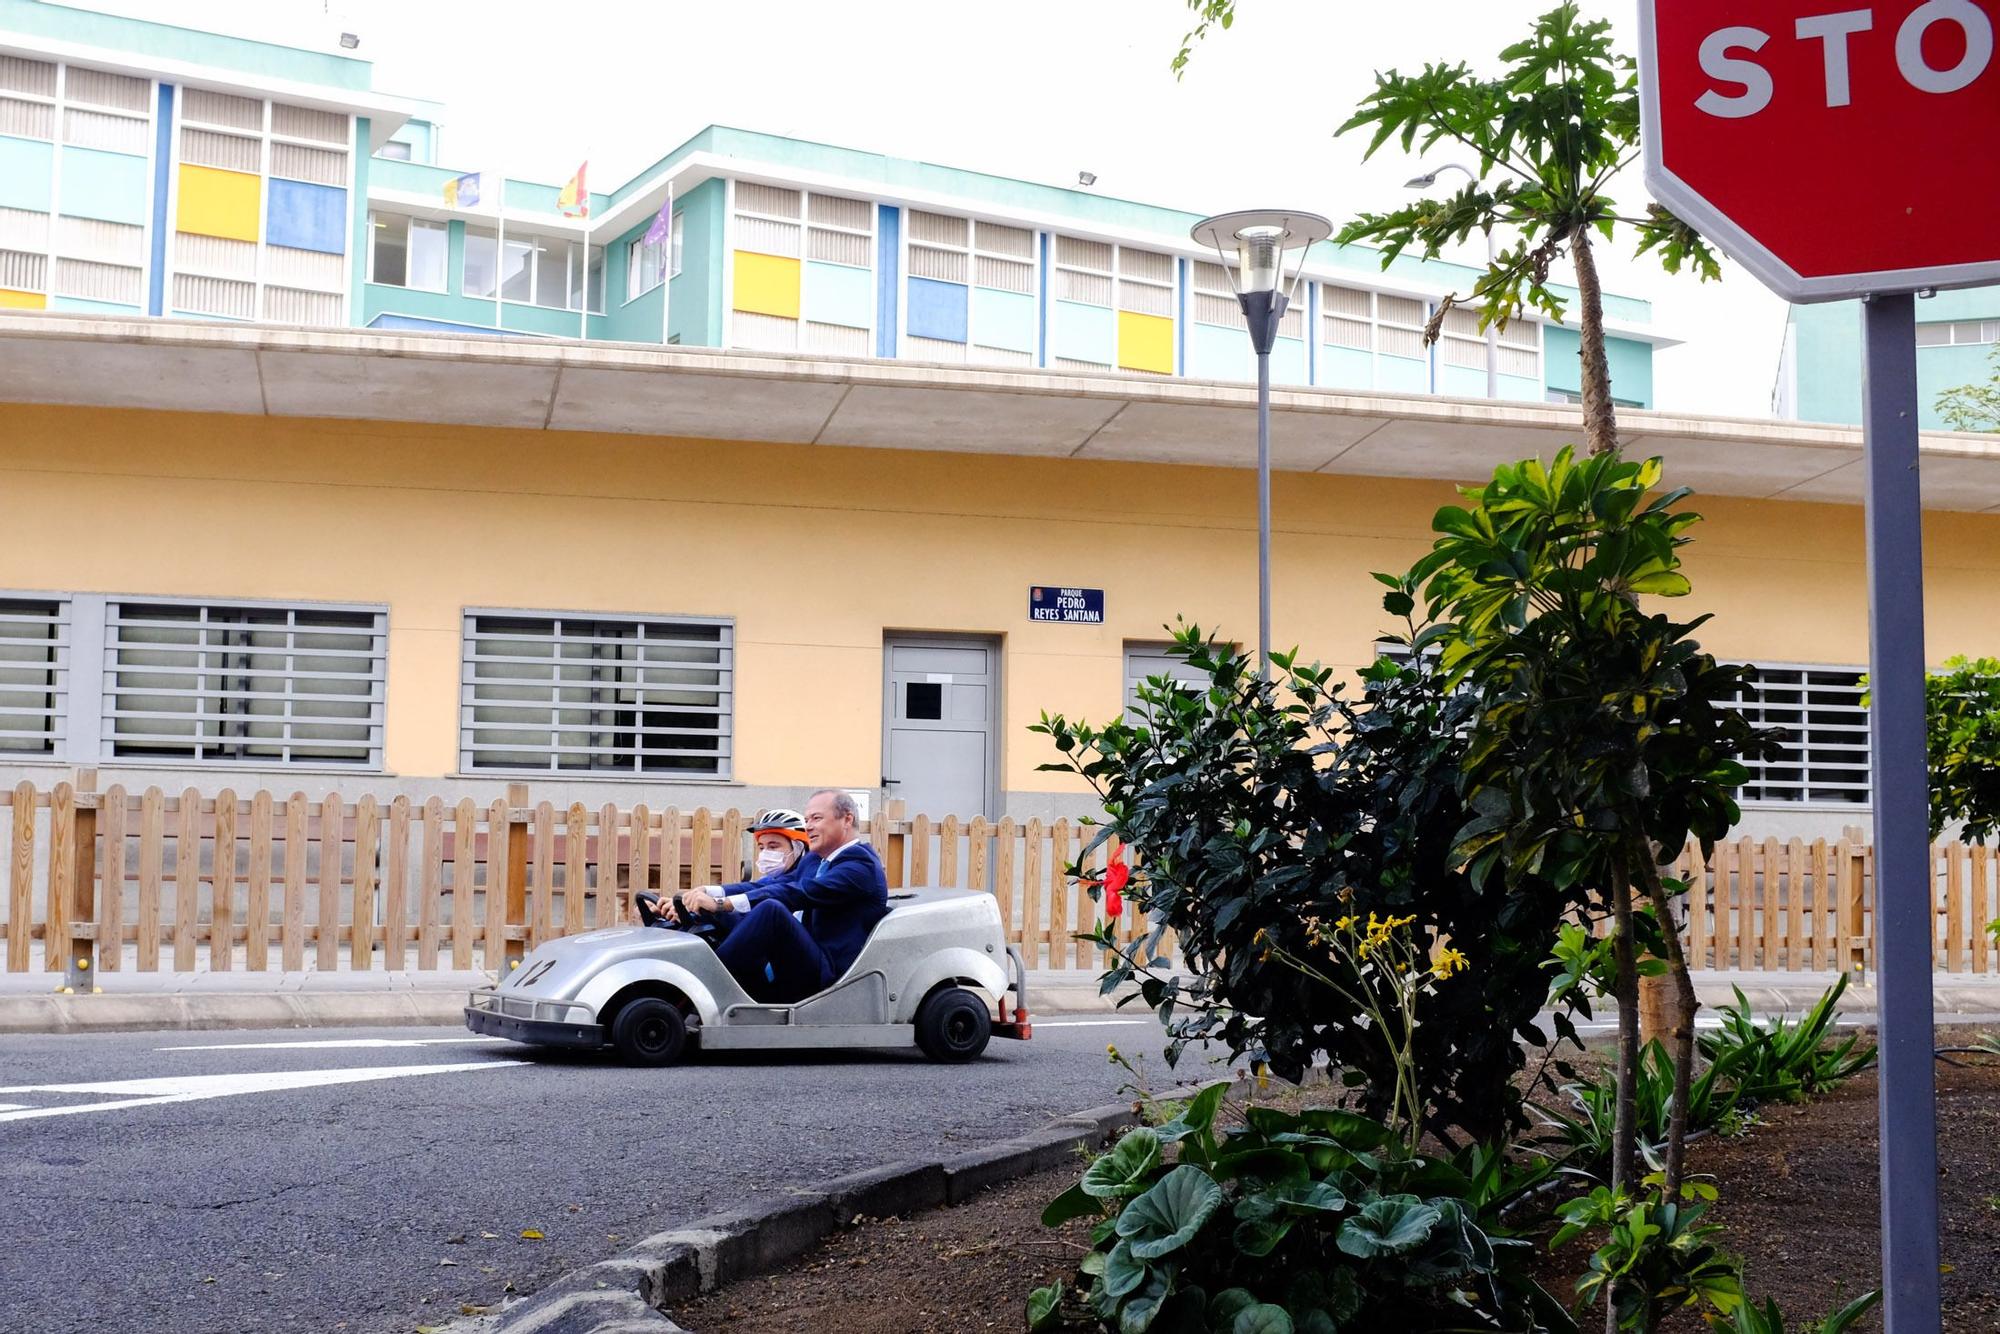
(1819,370)
(153,170)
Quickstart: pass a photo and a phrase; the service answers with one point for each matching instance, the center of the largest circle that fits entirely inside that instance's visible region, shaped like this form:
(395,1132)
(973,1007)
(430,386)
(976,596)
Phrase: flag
(575,198)
(663,223)
(463,191)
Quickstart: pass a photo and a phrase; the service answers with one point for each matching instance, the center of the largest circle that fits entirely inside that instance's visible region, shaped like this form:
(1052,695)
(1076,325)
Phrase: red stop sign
(1832,147)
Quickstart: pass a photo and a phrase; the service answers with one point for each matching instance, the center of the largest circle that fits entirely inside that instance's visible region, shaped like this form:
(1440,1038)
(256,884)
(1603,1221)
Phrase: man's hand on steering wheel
(703,899)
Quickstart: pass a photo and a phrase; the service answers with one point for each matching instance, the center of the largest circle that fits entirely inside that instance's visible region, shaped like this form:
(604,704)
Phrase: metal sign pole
(1904,920)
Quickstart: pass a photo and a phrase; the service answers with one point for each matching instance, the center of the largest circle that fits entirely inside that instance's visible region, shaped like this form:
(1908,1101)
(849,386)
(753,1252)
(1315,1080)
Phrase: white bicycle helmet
(778,820)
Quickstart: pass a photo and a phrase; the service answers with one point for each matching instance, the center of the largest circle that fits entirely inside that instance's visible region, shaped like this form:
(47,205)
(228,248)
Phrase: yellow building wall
(815,552)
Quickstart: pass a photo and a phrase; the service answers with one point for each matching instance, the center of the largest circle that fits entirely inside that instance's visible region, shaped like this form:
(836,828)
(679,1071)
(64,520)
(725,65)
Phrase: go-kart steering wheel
(707,926)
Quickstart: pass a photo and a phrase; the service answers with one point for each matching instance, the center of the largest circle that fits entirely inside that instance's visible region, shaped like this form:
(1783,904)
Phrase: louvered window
(1345,317)
(1400,326)
(595,694)
(840,230)
(1825,727)
(1083,271)
(1463,343)
(249,683)
(34,674)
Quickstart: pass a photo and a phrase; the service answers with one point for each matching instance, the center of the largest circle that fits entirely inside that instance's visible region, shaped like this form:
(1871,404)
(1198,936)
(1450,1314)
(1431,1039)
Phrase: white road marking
(326,1044)
(1087,1023)
(193,1088)
(13,1107)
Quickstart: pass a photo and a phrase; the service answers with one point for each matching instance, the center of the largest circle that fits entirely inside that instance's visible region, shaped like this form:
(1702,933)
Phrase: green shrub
(1252,807)
(1782,1061)
(1307,1221)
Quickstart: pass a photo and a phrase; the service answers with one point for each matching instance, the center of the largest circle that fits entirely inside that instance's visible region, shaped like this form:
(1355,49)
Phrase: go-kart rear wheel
(649,1031)
(953,1025)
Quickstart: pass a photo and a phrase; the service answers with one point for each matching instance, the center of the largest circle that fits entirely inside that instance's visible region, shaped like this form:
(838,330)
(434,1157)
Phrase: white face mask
(769,860)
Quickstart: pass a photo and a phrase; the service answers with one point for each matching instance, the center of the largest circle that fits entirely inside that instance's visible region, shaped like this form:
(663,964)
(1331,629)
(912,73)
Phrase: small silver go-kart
(936,974)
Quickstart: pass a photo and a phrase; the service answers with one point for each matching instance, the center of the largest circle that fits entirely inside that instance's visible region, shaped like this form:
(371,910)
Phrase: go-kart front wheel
(649,1031)
(953,1025)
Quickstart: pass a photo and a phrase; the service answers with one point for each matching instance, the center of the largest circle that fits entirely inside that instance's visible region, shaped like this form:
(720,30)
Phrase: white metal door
(940,702)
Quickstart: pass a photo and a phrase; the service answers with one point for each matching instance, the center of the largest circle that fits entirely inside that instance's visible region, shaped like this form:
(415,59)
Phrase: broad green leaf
(1072,1203)
(1122,1170)
(1166,1217)
(1123,1271)
(1042,1306)
(1262,1318)
(1389,1226)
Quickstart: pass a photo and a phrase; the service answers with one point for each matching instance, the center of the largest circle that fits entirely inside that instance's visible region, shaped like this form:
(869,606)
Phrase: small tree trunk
(1685,1005)
(1625,1129)
(1600,417)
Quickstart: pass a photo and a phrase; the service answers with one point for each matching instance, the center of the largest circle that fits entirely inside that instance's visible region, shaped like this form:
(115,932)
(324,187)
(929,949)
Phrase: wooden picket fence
(146,881)
(1792,905)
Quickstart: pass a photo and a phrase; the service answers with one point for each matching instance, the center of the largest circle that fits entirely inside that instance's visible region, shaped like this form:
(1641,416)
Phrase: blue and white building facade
(160,171)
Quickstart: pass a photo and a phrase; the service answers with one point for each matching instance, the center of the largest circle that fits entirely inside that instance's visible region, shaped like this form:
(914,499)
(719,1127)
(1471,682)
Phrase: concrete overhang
(566,385)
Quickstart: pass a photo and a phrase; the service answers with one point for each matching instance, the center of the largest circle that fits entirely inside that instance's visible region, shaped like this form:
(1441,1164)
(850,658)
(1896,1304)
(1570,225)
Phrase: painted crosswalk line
(124,1093)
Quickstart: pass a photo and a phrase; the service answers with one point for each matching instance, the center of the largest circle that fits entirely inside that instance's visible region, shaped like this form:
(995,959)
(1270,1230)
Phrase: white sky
(1013,89)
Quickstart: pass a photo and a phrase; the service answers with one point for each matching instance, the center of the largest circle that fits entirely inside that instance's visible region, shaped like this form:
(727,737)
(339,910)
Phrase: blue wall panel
(1083,333)
(27,166)
(306,217)
(163,164)
(82,307)
(1405,374)
(1004,319)
(1042,336)
(110,187)
(1288,362)
(888,251)
(838,294)
(1346,368)
(1216,353)
(937,310)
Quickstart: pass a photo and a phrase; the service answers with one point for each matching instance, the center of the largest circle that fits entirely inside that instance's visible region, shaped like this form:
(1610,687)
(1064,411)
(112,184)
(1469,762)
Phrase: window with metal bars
(244,683)
(34,674)
(1824,734)
(585,694)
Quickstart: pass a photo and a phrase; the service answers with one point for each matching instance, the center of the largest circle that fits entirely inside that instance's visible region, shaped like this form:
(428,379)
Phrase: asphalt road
(226,1182)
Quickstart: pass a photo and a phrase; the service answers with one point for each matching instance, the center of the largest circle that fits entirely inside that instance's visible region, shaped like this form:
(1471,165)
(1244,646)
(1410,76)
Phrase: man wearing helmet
(838,888)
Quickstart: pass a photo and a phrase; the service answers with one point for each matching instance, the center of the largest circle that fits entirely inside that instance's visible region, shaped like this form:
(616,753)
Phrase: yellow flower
(1346,923)
(1449,961)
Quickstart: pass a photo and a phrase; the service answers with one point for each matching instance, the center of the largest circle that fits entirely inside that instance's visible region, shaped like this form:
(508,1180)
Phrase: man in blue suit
(839,890)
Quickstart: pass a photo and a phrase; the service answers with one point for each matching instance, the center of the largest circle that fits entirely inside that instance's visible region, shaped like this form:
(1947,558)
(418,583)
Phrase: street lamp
(1269,246)
(1425,182)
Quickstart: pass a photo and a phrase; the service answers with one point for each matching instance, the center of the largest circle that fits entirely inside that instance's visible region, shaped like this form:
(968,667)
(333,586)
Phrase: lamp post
(1425,182)
(1270,255)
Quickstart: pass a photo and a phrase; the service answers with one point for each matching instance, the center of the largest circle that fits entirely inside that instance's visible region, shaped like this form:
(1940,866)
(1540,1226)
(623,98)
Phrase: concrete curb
(625,1294)
(115,1012)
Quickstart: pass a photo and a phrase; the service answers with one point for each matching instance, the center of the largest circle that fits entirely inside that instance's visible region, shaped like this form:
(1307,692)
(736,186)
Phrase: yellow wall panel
(767,285)
(23,301)
(1145,342)
(214,202)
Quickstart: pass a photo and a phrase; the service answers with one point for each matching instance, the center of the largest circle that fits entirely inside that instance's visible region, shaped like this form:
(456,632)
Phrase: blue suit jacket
(839,901)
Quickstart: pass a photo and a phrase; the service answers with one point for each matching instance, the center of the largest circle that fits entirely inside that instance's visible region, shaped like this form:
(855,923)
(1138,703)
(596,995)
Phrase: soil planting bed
(1800,1203)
